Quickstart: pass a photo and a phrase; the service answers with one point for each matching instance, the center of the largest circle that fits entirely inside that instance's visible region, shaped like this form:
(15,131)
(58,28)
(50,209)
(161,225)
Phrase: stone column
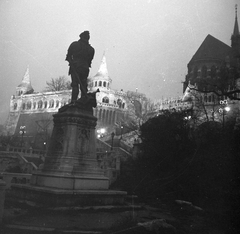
(2,198)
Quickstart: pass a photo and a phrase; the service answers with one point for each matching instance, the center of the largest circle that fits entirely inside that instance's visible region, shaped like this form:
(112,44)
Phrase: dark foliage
(201,166)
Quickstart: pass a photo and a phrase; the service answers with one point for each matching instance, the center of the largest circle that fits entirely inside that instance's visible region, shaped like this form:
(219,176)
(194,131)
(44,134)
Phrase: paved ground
(154,218)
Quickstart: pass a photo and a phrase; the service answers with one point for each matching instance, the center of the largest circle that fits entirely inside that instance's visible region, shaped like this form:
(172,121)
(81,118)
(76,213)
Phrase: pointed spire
(26,78)
(236,28)
(25,86)
(103,71)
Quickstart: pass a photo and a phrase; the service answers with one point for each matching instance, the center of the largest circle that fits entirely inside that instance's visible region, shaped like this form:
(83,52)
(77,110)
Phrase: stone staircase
(11,160)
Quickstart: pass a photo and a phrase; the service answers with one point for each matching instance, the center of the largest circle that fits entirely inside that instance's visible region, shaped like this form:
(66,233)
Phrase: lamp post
(45,145)
(223,110)
(22,132)
(121,131)
(112,135)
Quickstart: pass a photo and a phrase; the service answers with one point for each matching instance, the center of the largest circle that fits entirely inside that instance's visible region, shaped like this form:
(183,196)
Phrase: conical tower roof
(25,85)
(102,71)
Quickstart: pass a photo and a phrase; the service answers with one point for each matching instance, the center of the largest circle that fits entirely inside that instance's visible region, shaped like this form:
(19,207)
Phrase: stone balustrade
(15,178)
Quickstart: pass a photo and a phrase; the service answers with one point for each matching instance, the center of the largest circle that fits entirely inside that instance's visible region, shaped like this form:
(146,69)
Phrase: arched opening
(57,103)
(209,98)
(119,102)
(105,100)
(64,102)
(205,98)
(40,103)
(51,103)
(29,105)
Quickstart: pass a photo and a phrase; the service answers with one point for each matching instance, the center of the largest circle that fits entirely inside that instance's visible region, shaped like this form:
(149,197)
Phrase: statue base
(71,161)
(71,174)
(50,197)
(69,182)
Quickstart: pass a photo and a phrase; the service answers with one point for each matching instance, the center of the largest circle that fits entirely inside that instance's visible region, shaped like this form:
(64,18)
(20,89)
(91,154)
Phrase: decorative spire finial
(236,10)
(236,29)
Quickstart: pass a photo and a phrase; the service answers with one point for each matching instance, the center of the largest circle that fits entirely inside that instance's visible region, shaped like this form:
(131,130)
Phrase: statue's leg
(83,87)
(75,92)
(83,82)
(75,87)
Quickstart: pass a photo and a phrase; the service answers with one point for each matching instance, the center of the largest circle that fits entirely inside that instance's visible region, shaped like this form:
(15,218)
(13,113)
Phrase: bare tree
(139,111)
(58,84)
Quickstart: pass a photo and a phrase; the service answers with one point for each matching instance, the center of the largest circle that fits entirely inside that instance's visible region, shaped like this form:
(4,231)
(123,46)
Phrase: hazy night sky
(148,43)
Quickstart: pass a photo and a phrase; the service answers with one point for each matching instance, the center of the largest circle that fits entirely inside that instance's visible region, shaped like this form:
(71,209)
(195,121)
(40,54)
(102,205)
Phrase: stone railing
(102,146)
(119,151)
(15,178)
(103,104)
(21,161)
(26,151)
(108,159)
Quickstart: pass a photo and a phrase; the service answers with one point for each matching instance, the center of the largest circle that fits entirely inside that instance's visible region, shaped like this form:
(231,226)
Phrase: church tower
(25,87)
(101,80)
(236,38)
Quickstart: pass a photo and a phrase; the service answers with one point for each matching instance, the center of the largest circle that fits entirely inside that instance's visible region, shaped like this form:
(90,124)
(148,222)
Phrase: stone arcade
(70,175)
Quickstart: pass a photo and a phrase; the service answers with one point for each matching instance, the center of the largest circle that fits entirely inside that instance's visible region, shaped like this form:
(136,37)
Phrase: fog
(147,43)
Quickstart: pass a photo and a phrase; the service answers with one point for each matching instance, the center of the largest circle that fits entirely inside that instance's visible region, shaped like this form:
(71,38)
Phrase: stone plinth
(50,197)
(71,161)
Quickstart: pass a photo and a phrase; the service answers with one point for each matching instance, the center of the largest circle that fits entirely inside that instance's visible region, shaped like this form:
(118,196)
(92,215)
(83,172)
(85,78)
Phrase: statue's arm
(91,58)
(69,56)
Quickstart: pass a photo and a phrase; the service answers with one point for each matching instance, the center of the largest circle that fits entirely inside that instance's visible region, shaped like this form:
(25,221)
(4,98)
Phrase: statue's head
(85,35)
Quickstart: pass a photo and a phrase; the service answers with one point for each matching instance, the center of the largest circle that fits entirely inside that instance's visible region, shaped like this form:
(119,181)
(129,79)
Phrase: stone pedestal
(71,161)
(70,175)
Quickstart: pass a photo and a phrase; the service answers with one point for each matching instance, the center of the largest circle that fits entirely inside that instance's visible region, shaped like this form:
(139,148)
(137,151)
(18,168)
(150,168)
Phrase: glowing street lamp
(224,109)
(22,132)
(121,132)
(101,132)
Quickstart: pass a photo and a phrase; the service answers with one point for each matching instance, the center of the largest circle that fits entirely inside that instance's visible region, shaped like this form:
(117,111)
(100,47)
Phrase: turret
(101,80)
(25,87)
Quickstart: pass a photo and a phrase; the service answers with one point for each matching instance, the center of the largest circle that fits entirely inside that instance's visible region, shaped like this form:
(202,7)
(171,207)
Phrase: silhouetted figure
(80,55)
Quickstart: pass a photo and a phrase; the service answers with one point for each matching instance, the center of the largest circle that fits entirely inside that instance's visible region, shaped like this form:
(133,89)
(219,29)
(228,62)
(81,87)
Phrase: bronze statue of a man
(80,55)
